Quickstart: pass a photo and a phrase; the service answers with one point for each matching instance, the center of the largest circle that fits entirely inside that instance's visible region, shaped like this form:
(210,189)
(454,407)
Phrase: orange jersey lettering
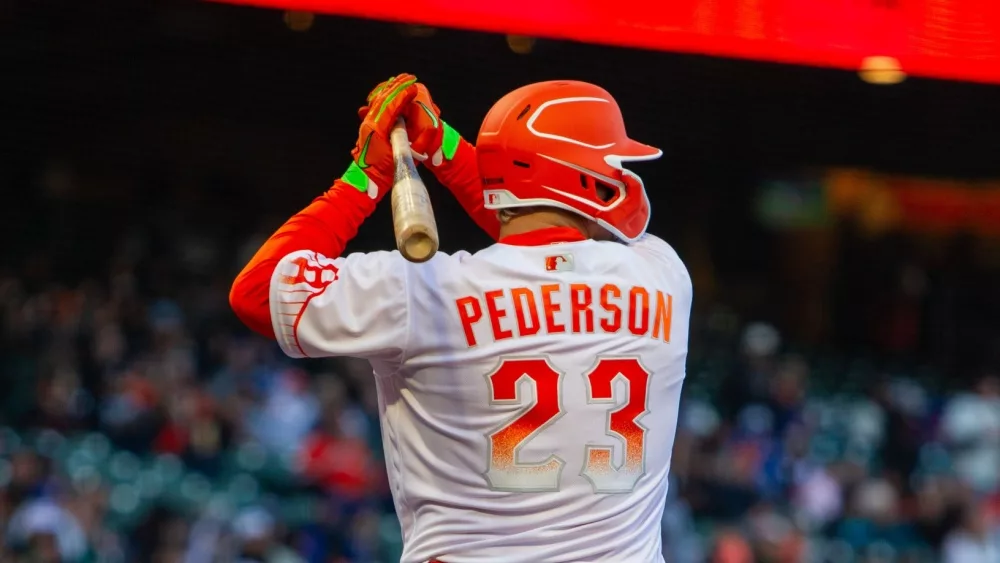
(559,309)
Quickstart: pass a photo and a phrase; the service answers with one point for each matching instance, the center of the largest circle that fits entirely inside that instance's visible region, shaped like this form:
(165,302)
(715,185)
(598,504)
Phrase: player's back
(533,416)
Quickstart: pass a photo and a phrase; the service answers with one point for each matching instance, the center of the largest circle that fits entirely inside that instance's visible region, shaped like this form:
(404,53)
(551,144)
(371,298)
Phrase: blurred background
(843,392)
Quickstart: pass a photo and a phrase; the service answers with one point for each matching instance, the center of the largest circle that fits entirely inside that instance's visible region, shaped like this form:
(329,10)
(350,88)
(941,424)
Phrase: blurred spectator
(786,393)
(972,541)
(129,413)
(45,531)
(287,413)
(773,535)
(971,427)
(818,496)
(256,532)
(340,463)
(937,512)
(874,518)
(730,547)
(759,346)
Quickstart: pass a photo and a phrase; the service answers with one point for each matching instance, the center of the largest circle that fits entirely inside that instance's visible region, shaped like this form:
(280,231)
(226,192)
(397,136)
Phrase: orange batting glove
(373,167)
(432,141)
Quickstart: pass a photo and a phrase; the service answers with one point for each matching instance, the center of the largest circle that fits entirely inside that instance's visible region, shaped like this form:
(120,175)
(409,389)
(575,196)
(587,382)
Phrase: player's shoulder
(652,244)
(394,259)
(386,263)
(659,251)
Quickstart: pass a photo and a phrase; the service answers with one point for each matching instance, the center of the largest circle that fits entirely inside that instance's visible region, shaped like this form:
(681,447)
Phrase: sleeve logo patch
(315,273)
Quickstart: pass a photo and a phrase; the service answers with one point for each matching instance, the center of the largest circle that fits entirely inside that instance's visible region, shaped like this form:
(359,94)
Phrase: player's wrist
(450,141)
(362,181)
(348,195)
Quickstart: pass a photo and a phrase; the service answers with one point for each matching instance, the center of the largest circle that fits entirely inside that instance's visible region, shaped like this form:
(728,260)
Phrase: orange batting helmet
(562,144)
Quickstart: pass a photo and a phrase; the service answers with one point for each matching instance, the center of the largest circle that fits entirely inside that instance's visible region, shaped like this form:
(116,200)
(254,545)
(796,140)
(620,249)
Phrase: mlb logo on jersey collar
(559,263)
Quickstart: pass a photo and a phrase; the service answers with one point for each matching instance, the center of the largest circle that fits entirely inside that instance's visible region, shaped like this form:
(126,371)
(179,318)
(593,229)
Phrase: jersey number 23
(506,473)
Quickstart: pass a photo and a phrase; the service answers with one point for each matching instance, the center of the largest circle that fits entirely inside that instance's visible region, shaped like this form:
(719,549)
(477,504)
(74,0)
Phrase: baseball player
(528,392)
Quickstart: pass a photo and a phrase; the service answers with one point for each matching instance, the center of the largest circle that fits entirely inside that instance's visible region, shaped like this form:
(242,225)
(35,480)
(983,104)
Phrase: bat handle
(400,142)
(412,214)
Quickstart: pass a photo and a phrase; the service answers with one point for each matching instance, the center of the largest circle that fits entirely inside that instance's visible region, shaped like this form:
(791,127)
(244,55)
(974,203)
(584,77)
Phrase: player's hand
(431,139)
(373,166)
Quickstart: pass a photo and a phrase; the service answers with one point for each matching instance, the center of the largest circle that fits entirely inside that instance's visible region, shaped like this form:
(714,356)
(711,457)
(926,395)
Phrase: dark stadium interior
(147,147)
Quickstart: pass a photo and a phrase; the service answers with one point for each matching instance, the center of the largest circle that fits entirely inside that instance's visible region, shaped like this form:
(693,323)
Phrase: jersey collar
(542,237)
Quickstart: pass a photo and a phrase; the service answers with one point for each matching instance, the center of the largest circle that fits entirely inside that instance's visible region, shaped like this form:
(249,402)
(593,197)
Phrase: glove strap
(356,177)
(449,141)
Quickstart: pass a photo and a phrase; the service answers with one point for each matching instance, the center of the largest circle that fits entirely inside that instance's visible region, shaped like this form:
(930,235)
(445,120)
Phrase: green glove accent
(356,177)
(378,89)
(449,141)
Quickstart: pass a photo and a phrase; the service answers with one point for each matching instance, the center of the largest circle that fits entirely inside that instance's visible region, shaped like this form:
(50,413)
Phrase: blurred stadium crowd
(143,423)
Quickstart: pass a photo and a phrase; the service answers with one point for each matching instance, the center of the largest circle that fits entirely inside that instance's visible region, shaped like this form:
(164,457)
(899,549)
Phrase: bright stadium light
(881,70)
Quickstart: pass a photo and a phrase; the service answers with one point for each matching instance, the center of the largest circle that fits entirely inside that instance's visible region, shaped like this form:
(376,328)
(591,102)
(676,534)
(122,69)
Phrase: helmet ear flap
(633,183)
(635,222)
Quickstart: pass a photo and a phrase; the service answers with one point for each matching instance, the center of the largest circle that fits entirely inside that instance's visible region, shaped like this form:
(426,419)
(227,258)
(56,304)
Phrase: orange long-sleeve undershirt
(461,176)
(325,227)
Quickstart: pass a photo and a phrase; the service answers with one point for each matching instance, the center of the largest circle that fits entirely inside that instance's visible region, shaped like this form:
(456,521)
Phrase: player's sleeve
(351,306)
(460,174)
(324,227)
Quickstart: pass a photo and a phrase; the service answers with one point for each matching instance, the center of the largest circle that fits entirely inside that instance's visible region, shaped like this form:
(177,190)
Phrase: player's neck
(543,219)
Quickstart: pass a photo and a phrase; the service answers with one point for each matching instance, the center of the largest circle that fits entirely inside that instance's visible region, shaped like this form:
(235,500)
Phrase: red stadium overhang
(951,39)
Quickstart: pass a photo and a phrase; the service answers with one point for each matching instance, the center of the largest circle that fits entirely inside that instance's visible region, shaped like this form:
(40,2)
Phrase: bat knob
(418,247)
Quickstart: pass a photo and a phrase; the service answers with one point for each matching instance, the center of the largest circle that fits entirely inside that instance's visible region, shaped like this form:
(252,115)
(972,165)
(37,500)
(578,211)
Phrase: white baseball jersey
(528,394)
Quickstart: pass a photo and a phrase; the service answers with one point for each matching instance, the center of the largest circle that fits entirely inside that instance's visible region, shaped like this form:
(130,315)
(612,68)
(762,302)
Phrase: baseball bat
(412,214)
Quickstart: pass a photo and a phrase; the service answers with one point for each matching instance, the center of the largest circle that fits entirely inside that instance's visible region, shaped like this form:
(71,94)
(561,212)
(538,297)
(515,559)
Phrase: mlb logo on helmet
(559,263)
(496,198)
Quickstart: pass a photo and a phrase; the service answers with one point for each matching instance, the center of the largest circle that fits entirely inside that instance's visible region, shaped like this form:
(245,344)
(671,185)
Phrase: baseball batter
(529,391)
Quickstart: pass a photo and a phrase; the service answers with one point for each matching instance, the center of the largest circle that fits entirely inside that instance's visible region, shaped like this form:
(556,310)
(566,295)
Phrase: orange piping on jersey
(318,282)
(542,237)
(324,227)
(461,176)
